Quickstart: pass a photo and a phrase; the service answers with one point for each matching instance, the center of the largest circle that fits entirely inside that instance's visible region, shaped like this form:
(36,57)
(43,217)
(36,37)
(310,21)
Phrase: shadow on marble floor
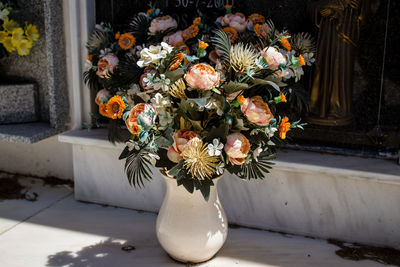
(112,252)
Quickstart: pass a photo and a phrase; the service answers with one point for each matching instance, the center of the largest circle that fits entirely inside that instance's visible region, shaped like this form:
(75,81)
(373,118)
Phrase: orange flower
(283,98)
(115,107)
(190,32)
(284,127)
(148,12)
(117,35)
(177,61)
(284,42)
(103,110)
(241,99)
(202,45)
(302,62)
(90,58)
(232,33)
(257,18)
(126,41)
(261,30)
(228,6)
(197,21)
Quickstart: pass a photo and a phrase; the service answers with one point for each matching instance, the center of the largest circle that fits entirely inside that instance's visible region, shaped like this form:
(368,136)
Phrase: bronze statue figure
(339,28)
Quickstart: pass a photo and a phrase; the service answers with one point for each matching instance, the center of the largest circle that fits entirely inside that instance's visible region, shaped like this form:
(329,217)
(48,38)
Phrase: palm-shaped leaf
(128,72)
(255,169)
(137,167)
(222,44)
(139,26)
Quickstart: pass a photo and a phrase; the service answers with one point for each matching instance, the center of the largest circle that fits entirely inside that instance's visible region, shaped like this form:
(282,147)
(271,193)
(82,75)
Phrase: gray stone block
(18,103)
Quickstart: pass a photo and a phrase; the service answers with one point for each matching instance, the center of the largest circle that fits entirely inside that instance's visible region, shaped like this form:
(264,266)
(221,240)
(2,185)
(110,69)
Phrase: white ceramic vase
(189,228)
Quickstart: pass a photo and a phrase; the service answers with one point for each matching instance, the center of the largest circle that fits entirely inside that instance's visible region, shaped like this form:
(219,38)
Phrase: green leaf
(174,75)
(205,188)
(125,153)
(137,167)
(161,141)
(233,87)
(222,43)
(175,170)
(265,82)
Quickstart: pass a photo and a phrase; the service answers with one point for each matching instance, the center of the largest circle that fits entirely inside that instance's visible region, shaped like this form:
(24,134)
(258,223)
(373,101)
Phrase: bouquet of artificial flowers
(200,100)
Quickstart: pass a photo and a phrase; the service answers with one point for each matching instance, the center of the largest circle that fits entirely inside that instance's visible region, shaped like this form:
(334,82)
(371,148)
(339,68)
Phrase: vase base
(191,262)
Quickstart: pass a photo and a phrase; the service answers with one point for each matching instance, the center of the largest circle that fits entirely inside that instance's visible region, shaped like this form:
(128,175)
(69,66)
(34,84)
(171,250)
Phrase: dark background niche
(357,138)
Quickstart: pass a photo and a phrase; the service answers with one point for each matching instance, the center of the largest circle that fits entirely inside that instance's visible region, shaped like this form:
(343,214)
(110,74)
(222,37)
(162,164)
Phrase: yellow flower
(9,25)
(3,35)
(8,44)
(24,47)
(126,41)
(17,36)
(115,107)
(32,32)
(197,160)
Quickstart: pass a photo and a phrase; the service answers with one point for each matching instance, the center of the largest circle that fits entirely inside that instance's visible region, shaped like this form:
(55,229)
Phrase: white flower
(256,153)
(152,158)
(160,102)
(212,103)
(165,119)
(309,58)
(132,145)
(154,54)
(167,47)
(161,83)
(215,149)
(270,131)
(220,168)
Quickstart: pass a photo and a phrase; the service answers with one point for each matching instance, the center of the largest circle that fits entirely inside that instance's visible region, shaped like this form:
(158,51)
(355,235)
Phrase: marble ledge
(376,170)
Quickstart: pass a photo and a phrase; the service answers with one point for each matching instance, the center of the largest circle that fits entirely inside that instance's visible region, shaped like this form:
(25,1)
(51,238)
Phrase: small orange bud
(90,58)
(117,35)
(302,62)
(241,99)
(283,98)
(202,45)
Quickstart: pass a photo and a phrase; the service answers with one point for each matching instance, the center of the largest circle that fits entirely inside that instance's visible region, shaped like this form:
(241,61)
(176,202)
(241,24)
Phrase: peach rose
(147,114)
(237,146)
(237,21)
(174,38)
(106,65)
(273,57)
(161,24)
(257,111)
(181,138)
(102,96)
(202,76)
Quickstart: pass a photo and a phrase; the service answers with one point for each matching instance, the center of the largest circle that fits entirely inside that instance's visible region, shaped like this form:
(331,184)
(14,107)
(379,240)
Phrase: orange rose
(237,146)
(181,138)
(147,113)
(202,76)
(257,111)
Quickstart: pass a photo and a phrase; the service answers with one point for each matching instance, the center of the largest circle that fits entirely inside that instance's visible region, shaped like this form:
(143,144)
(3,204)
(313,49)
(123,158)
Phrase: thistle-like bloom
(303,43)
(243,57)
(197,160)
(178,89)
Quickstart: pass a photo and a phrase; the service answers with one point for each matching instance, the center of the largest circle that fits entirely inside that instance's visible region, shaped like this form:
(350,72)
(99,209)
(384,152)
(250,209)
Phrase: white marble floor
(56,230)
